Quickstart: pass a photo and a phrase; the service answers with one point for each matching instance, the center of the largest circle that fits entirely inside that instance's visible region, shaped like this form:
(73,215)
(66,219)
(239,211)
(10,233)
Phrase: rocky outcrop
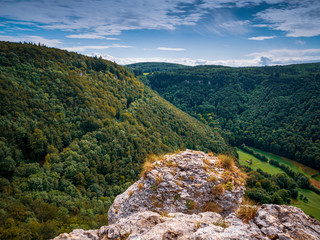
(180,197)
(187,182)
(272,222)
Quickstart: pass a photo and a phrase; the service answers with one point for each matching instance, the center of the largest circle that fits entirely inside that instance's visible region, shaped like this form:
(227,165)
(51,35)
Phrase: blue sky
(191,32)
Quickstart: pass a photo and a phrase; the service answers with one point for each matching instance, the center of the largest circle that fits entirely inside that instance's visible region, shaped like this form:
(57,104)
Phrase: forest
(276,109)
(74,132)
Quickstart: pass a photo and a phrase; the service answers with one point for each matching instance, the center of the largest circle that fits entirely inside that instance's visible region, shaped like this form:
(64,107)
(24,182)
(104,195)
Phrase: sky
(191,32)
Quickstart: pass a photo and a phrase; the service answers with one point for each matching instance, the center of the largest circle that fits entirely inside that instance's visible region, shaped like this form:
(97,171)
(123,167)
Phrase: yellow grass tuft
(158,180)
(221,223)
(130,193)
(206,161)
(157,204)
(179,183)
(170,163)
(140,186)
(211,207)
(191,205)
(228,176)
(164,214)
(247,210)
(149,163)
(218,190)
(212,178)
(146,167)
(226,161)
(206,168)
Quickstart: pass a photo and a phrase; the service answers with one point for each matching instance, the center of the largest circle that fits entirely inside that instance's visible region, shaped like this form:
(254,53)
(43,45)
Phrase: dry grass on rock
(247,210)
(218,190)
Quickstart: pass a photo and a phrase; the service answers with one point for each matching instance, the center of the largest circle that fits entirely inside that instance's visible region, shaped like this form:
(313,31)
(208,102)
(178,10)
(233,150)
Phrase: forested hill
(74,132)
(147,67)
(276,109)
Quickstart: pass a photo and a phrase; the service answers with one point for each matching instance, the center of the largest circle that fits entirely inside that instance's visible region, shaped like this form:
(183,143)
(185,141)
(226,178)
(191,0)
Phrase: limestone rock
(178,199)
(271,222)
(183,182)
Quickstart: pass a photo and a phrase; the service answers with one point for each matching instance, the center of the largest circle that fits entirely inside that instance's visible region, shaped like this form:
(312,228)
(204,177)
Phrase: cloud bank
(97,19)
(267,58)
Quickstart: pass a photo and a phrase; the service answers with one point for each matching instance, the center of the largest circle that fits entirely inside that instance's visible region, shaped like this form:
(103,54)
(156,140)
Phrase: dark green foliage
(265,188)
(147,67)
(74,132)
(275,109)
(301,179)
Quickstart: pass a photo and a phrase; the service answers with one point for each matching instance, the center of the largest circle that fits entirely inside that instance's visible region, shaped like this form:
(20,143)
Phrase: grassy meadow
(295,166)
(312,207)
(257,163)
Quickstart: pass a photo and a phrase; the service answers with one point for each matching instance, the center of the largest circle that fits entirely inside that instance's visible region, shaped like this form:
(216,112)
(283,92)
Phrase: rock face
(178,199)
(186,182)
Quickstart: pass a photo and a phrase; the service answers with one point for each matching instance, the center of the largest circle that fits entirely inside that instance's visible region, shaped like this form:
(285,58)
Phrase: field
(312,207)
(256,163)
(295,166)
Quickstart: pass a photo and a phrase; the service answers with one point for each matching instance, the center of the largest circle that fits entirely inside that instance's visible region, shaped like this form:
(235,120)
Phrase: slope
(276,109)
(74,132)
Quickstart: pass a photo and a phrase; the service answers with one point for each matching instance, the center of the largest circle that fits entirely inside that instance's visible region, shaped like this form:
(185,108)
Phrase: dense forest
(276,109)
(149,67)
(74,132)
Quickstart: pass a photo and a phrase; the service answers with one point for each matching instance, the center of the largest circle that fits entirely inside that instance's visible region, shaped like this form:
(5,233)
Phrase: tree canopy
(74,132)
(276,109)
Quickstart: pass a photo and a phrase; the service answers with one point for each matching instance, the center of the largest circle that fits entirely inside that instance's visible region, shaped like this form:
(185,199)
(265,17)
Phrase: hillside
(147,67)
(275,109)
(74,132)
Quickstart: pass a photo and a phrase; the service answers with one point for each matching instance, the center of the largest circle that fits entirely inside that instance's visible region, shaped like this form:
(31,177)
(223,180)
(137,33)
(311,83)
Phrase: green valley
(271,108)
(275,109)
(74,132)
(309,206)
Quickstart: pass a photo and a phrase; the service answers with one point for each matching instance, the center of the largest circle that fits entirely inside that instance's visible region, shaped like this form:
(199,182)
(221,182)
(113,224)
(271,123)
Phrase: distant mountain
(148,67)
(74,132)
(276,108)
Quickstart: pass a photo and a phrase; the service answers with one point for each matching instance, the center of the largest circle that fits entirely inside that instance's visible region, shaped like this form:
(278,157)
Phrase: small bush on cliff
(218,190)
(211,207)
(247,210)
(226,161)
(191,205)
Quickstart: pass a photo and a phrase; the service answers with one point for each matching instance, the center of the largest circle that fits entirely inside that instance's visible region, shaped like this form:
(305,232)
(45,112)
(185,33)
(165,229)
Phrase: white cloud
(102,17)
(34,39)
(91,36)
(170,49)
(84,48)
(297,19)
(272,57)
(261,38)
(97,19)
(287,56)
(222,22)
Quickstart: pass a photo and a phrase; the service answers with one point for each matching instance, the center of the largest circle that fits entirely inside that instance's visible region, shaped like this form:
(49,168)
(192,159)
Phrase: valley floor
(312,206)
